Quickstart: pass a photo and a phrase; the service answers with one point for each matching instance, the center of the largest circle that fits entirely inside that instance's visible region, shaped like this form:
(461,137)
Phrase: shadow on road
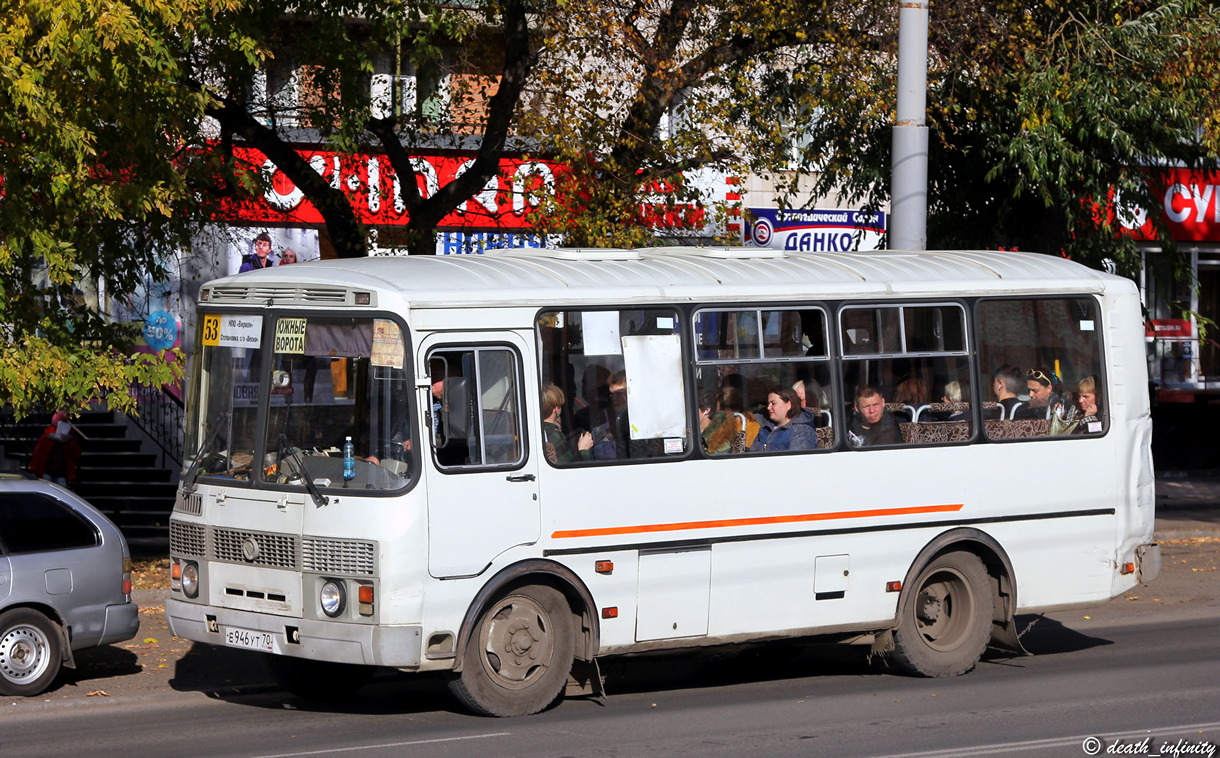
(243,677)
(1046,636)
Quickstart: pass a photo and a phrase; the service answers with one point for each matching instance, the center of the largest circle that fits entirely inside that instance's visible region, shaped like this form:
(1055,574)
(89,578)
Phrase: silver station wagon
(65,583)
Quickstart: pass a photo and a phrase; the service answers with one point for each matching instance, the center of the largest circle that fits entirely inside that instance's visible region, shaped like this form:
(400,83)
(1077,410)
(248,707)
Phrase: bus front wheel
(946,622)
(519,654)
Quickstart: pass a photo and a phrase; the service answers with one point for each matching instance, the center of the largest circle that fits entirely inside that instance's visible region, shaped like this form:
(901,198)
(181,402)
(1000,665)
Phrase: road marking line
(387,744)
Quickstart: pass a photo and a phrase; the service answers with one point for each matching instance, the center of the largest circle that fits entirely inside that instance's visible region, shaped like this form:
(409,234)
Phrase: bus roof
(533,276)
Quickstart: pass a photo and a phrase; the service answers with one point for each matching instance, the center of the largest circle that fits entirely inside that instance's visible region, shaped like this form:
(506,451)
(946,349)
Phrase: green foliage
(92,122)
(1040,114)
(633,96)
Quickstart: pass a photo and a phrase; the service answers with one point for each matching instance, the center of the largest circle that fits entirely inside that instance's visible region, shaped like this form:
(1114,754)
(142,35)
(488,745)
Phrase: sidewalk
(1187,507)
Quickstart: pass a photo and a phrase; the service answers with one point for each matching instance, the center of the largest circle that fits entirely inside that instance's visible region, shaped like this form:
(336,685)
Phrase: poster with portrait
(255,248)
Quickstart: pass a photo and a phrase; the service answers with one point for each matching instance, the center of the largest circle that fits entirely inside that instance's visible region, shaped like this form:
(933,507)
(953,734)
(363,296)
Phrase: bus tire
(946,621)
(519,654)
(318,680)
(31,652)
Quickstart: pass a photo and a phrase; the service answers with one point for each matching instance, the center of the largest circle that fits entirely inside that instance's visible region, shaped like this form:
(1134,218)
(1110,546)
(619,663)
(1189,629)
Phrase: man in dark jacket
(872,424)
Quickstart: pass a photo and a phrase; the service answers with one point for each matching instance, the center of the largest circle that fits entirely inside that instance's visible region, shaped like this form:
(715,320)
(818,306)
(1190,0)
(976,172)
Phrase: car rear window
(32,522)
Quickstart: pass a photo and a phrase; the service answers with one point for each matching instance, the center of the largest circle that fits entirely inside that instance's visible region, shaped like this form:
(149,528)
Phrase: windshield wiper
(318,498)
(193,473)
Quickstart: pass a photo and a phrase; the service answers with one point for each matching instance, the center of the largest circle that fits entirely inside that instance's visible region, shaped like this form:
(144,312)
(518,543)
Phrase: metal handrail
(160,415)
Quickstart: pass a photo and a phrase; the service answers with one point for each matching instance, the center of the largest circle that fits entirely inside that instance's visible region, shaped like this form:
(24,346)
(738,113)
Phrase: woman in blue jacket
(789,429)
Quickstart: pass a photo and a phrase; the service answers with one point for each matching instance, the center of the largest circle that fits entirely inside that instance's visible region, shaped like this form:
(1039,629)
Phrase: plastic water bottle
(349,459)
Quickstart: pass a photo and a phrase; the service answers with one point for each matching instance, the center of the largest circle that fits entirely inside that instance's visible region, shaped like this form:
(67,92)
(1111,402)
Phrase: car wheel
(31,652)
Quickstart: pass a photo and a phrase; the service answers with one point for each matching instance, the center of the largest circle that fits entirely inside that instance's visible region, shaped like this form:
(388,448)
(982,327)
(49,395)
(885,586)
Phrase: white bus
(973,444)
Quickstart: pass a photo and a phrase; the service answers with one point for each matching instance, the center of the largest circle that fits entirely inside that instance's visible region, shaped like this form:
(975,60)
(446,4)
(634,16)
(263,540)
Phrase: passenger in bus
(592,405)
(1089,401)
(437,372)
(790,426)
(711,421)
(1007,388)
(872,424)
(912,391)
(613,439)
(1041,385)
(557,447)
(1047,400)
(740,428)
(953,392)
(809,393)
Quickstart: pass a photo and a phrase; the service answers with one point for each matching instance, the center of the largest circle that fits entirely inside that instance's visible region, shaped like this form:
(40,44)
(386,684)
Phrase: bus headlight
(332,598)
(190,579)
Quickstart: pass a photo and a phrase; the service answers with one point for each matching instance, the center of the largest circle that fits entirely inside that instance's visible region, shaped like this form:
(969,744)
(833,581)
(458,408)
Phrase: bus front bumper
(367,644)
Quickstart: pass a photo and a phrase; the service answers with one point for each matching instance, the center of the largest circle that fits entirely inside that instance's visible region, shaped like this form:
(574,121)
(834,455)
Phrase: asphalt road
(1116,684)
(1146,661)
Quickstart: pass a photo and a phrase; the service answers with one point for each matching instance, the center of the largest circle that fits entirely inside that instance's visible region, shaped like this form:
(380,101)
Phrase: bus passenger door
(482,480)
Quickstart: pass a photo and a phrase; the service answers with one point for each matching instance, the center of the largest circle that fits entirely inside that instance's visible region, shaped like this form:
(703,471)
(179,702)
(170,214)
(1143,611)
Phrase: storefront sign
(818,230)
(375,191)
(1170,328)
(1190,200)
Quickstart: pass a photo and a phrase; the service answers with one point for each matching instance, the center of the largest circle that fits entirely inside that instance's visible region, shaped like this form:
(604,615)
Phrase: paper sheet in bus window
(1086,326)
(388,349)
(601,332)
(239,331)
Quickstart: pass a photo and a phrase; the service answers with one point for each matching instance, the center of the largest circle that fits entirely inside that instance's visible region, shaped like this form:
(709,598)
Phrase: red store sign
(1169,328)
(1191,203)
(376,192)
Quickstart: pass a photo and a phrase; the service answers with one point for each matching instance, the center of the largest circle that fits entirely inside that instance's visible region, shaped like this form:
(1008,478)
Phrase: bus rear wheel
(519,654)
(946,621)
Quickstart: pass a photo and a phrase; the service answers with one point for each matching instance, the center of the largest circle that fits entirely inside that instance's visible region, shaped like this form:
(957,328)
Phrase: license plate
(249,639)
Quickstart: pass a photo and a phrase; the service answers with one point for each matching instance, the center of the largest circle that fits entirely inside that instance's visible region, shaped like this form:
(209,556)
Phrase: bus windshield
(277,396)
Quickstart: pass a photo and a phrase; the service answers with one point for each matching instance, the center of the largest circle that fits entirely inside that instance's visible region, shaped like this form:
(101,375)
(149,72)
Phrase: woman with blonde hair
(1089,402)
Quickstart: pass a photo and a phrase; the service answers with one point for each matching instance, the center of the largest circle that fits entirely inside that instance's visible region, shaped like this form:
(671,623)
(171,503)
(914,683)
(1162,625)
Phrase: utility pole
(909,171)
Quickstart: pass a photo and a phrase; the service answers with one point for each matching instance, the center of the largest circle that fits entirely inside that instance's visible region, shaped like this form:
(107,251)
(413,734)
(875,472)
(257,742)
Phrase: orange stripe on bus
(793,519)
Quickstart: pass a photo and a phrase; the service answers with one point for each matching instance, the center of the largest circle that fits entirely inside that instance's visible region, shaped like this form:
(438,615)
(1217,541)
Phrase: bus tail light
(365,597)
(1127,568)
(126,586)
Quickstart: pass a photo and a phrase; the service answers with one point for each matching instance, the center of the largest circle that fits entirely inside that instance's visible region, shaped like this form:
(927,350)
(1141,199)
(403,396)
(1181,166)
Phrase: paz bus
(461,535)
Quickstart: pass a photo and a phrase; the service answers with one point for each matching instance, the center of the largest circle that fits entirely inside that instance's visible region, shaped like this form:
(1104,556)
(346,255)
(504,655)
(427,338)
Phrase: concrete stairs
(128,485)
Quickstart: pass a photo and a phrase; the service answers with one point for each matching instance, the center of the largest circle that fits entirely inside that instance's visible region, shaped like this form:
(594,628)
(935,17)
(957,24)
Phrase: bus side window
(1052,346)
(906,372)
(746,355)
(476,407)
(622,374)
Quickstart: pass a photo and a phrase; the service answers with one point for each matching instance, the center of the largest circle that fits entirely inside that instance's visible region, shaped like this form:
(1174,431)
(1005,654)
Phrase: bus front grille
(258,548)
(187,539)
(337,556)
